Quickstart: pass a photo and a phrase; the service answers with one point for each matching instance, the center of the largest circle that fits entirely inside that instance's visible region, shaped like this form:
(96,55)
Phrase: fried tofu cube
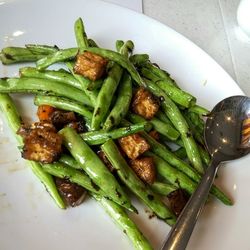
(133,145)
(144,169)
(144,104)
(90,65)
(41,142)
(72,193)
(177,200)
(61,118)
(78,126)
(105,160)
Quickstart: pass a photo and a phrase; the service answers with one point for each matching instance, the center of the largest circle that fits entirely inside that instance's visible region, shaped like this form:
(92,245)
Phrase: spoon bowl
(227,137)
(223,130)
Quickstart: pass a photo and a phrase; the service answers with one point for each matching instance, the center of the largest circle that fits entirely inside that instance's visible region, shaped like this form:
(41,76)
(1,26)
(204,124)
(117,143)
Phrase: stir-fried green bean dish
(110,124)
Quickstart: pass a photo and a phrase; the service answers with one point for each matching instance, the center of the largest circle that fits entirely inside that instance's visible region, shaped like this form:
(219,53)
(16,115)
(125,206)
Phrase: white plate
(28,217)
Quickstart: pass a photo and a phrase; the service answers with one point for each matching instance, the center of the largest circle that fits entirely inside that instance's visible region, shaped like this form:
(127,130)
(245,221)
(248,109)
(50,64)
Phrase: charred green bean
(42,86)
(94,167)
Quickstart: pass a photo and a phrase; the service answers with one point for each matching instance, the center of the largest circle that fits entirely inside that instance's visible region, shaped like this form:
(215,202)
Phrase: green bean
(124,93)
(94,85)
(64,104)
(127,48)
(162,152)
(10,55)
(108,89)
(148,126)
(205,157)
(163,188)
(182,166)
(199,110)
(172,175)
(197,121)
(175,116)
(59,76)
(197,127)
(139,59)
(8,108)
(62,70)
(105,95)
(14,120)
(38,86)
(5,60)
(119,59)
(80,34)
(118,45)
(12,52)
(92,94)
(92,43)
(69,161)
(197,134)
(59,56)
(148,73)
(113,209)
(100,136)
(163,128)
(175,94)
(122,103)
(131,180)
(181,153)
(176,177)
(162,116)
(41,49)
(215,191)
(160,74)
(170,157)
(74,175)
(31,53)
(125,223)
(94,167)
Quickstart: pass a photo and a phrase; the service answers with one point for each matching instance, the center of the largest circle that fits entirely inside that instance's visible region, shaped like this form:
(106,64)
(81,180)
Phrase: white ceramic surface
(243,17)
(213,26)
(28,217)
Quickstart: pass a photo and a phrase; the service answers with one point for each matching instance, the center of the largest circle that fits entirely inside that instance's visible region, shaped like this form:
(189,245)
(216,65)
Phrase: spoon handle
(180,233)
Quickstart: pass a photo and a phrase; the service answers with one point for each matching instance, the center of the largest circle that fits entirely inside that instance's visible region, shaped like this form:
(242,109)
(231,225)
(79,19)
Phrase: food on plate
(144,168)
(71,192)
(144,104)
(41,142)
(90,65)
(108,121)
(44,112)
(133,145)
(177,200)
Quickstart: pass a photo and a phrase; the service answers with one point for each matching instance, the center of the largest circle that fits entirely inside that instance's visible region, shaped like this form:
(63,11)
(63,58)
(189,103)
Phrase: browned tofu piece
(105,160)
(41,142)
(90,65)
(78,126)
(133,145)
(144,169)
(72,193)
(144,104)
(178,200)
(61,118)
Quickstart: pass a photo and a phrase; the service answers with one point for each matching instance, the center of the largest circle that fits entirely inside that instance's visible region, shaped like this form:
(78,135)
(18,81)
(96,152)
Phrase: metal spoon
(225,141)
